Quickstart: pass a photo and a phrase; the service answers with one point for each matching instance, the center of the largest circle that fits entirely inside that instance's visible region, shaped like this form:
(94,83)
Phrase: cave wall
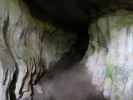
(28,47)
(109,55)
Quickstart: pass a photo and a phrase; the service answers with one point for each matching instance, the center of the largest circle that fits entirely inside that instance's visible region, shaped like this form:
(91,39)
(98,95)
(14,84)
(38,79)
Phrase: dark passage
(68,16)
(67,80)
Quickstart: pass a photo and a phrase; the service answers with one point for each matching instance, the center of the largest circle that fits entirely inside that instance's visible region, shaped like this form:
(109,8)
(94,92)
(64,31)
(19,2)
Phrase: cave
(66,50)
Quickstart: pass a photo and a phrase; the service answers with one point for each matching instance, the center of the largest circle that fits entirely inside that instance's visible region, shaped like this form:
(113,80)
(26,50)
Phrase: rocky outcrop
(27,48)
(109,56)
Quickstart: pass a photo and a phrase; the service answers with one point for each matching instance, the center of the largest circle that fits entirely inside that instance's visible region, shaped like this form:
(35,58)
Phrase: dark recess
(77,24)
(74,16)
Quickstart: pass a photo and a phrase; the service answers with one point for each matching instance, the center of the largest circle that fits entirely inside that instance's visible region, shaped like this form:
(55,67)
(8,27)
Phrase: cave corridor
(66,50)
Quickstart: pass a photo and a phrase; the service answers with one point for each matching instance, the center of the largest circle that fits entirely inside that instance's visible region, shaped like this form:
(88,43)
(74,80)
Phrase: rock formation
(40,60)
(27,49)
(110,54)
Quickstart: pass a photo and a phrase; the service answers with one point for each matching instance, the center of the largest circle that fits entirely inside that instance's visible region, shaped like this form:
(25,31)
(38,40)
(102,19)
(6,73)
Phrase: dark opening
(62,18)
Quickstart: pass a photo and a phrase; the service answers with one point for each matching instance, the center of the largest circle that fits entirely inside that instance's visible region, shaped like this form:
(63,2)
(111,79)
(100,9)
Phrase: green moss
(13,5)
(109,70)
(124,20)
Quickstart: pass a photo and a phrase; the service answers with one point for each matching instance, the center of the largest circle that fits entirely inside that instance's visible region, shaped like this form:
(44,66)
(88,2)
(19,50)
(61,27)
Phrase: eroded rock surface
(109,56)
(27,48)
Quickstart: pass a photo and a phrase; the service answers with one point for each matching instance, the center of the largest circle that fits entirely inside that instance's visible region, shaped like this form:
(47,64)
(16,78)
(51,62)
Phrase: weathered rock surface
(109,56)
(27,48)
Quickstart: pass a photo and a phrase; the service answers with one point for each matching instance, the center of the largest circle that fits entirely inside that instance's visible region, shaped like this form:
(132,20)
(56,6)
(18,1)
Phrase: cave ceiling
(75,13)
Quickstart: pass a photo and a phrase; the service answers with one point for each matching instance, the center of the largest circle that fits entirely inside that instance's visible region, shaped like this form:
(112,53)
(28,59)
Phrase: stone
(112,35)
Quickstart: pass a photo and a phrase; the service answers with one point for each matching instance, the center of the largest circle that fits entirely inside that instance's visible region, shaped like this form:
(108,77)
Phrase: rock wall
(27,48)
(109,55)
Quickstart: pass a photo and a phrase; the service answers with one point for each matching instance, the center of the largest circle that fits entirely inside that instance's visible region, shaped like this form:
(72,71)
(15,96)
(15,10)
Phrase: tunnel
(66,49)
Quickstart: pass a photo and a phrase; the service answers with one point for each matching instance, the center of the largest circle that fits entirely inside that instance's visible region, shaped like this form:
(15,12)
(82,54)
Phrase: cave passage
(77,24)
(66,50)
